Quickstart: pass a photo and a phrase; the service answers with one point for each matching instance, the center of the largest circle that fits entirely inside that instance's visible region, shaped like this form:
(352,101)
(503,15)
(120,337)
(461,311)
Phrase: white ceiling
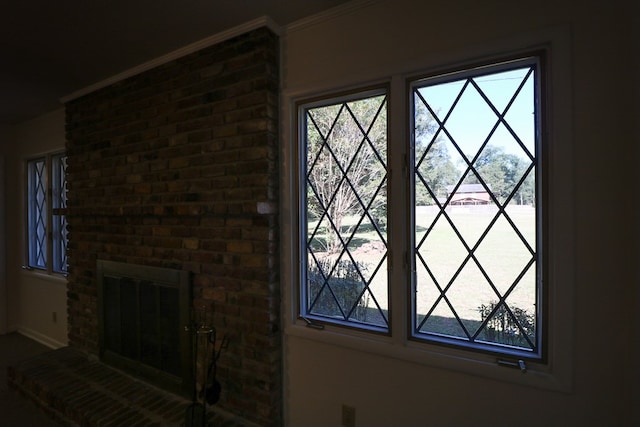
(52,48)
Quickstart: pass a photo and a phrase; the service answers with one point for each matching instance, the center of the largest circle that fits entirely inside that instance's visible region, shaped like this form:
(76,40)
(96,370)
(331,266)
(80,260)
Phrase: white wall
(32,297)
(403,36)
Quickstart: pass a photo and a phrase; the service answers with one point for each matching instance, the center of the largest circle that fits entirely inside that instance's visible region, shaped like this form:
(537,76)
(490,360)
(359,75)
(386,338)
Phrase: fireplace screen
(143,312)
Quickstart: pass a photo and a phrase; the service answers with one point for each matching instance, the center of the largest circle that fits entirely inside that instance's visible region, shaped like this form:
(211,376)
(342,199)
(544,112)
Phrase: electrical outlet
(54,317)
(348,416)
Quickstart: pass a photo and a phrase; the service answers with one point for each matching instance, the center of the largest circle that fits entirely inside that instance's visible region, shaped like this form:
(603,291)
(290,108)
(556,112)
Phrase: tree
(436,169)
(502,172)
(433,163)
(346,166)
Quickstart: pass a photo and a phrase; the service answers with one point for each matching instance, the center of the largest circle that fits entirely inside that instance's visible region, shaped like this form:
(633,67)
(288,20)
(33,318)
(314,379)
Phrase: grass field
(502,254)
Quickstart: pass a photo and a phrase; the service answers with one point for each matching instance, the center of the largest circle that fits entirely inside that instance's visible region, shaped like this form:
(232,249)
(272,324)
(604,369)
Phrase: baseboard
(42,339)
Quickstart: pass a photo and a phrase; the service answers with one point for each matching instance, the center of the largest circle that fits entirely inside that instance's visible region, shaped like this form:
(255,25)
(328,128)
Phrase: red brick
(170,167)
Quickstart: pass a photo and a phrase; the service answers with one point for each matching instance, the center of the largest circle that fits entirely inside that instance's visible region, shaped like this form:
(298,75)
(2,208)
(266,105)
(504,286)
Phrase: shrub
(338,292)
(502,326)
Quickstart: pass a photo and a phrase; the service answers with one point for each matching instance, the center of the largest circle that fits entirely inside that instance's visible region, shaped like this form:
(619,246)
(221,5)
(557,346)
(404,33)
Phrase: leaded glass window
(476,213)
(46,204)
(467,247)
(343,210)
(37,213)
(59,220)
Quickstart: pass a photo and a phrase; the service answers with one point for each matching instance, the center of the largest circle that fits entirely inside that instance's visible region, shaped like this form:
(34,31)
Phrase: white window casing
(553,370)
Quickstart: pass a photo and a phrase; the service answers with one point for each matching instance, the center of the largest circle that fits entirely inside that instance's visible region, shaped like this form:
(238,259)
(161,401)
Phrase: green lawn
(501,253)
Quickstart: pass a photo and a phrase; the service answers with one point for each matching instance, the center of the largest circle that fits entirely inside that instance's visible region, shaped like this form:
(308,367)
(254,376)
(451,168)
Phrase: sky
(472,119)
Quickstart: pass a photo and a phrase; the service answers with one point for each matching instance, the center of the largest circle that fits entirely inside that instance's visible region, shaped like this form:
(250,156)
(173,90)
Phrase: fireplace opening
(142,314)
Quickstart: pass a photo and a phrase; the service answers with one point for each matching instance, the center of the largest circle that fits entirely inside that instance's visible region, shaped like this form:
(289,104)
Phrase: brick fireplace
(177,167)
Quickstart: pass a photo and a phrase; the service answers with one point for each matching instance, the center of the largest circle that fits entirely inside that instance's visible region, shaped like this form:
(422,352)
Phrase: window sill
(43,275)
(433,356)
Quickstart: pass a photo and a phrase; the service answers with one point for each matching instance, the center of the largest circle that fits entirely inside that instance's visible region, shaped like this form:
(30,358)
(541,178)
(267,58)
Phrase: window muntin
(343,221)
(449,169)
(476,209)
(46,204)
(58,218)
(37,212)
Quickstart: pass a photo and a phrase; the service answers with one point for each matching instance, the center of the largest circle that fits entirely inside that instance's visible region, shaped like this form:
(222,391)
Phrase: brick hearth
(76,390)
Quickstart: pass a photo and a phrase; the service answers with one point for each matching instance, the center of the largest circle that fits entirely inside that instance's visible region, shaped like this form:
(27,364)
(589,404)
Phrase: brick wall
(177,167)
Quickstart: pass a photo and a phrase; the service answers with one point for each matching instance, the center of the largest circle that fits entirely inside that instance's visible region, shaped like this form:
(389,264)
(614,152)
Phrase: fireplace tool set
(207,391)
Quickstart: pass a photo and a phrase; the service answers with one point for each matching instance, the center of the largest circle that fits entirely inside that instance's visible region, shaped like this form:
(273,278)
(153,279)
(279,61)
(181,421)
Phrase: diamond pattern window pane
(37,210)
(344,213)
(59,221)
(47,225)
(476,217)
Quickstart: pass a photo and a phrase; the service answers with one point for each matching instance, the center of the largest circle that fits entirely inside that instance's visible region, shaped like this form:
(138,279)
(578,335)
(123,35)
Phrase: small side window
(37,213)
(46,222)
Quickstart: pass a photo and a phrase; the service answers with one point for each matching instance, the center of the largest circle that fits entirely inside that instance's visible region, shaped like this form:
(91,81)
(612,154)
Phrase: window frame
(478,70)
(556,372)
(301,107)
(54,214)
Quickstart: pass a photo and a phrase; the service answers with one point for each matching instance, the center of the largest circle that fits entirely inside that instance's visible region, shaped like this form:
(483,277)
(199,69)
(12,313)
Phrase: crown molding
(334,12)
(263,21)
